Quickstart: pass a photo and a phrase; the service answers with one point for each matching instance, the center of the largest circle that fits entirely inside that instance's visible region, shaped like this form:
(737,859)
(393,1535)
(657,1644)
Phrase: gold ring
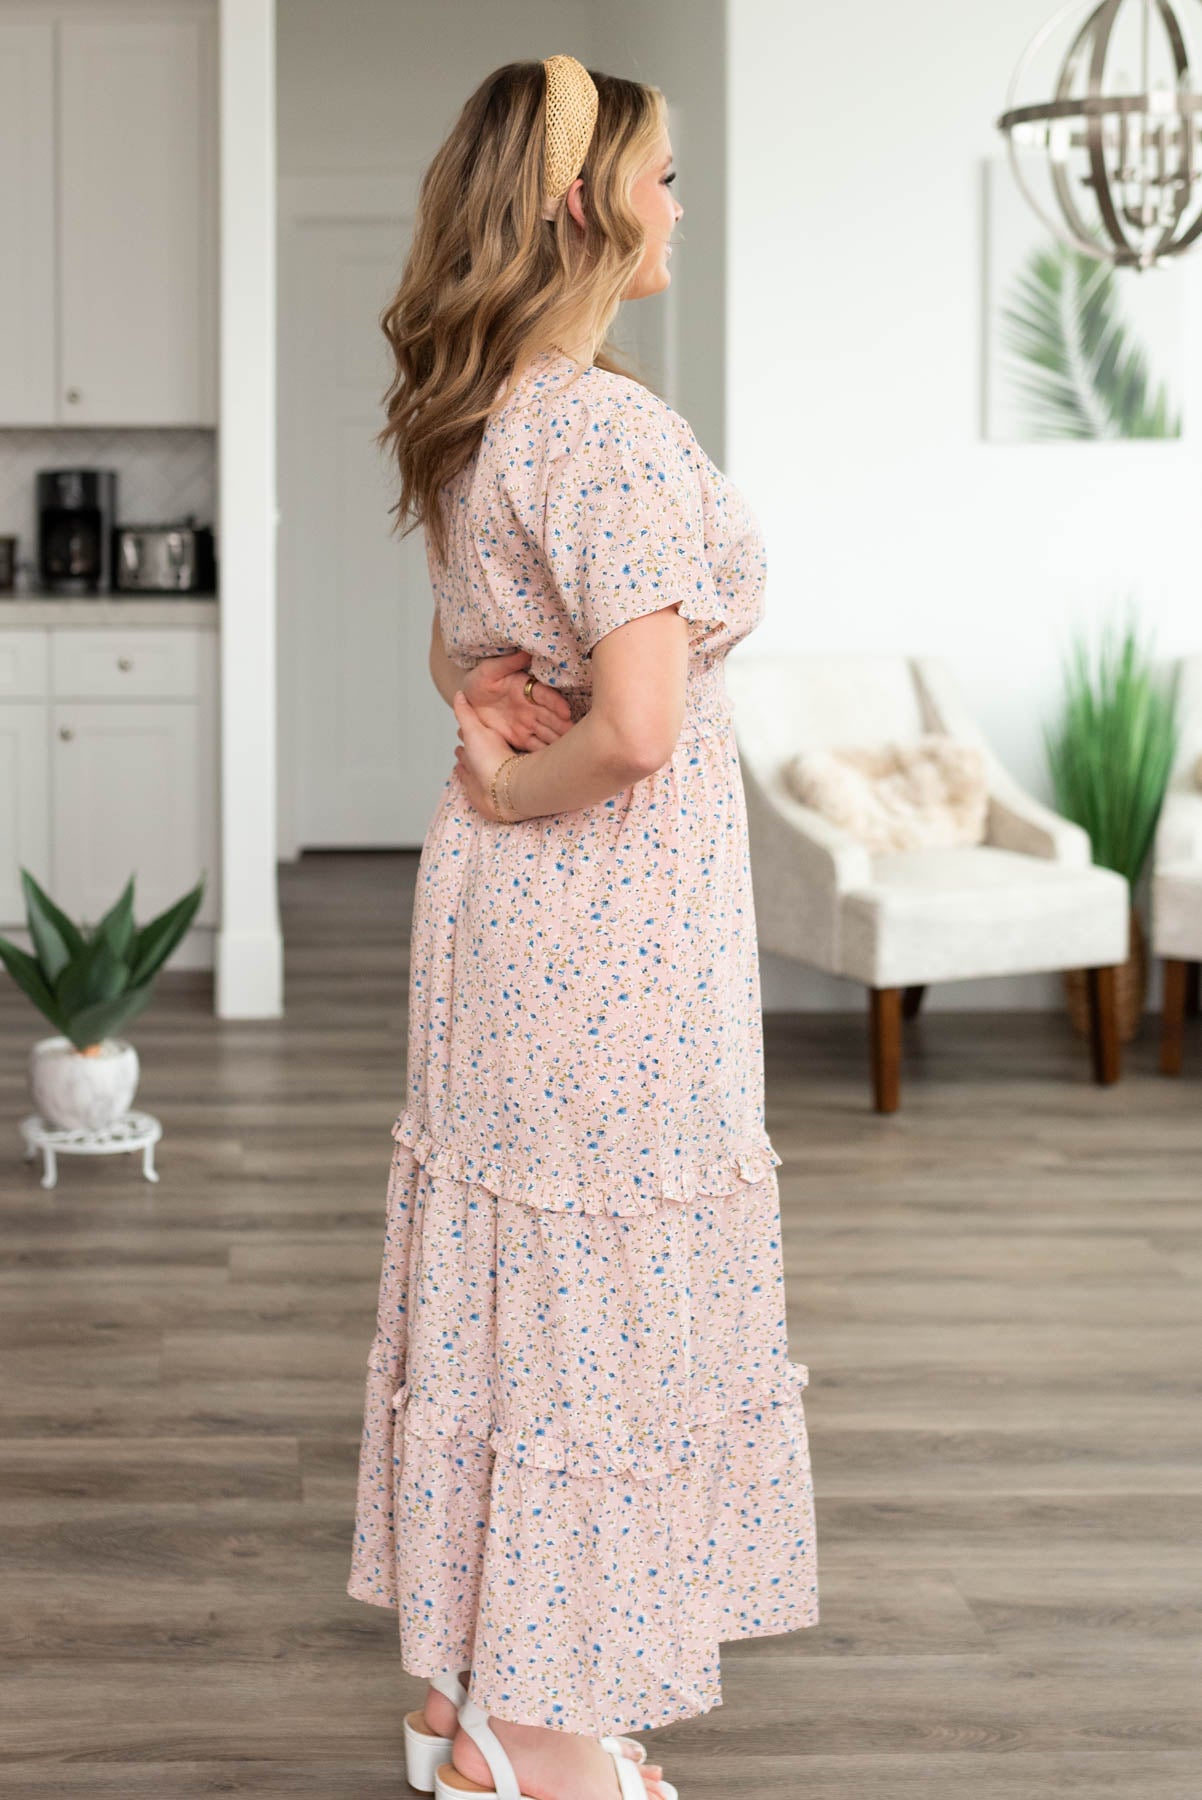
(526,691)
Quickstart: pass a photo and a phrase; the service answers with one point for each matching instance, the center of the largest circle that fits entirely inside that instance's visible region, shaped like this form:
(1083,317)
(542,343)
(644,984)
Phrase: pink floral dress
(584,1462)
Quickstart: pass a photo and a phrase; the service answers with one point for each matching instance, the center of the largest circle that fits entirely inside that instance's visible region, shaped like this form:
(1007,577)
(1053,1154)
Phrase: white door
(366,741)
(27,202)
(137,261)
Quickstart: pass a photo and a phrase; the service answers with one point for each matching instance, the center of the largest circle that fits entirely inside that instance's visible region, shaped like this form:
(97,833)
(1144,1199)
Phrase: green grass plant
(1111,749)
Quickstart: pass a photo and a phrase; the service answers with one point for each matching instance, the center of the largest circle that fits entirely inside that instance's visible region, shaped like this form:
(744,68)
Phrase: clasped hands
(495,718)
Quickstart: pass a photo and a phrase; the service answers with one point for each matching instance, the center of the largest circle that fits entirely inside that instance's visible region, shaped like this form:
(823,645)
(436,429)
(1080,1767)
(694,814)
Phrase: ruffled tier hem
(585,1186)
(583,1464)
(649,1453)
(635,1554)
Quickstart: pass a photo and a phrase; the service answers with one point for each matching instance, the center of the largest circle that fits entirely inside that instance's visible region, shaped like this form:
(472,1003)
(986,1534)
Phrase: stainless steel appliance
(165,559)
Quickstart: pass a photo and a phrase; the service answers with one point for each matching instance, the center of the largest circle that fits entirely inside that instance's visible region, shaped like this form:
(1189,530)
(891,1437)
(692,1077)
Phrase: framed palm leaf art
(1075,348)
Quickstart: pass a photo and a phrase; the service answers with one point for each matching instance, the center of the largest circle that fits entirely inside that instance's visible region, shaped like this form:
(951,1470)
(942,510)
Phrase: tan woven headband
(570,118)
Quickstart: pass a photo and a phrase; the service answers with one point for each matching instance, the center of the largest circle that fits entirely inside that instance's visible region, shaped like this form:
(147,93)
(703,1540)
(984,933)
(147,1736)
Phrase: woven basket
(1130,988)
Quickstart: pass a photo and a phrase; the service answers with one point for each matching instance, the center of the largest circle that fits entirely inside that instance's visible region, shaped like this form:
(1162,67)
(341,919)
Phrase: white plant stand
(134,1131)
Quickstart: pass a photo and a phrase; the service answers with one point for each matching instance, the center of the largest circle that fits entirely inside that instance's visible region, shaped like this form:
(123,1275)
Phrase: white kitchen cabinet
(134,664)
(28,367)
(114,157)
(111,769)
(127,801)
(24,802)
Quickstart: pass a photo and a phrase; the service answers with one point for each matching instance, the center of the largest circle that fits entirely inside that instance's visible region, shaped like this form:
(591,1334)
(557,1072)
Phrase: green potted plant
(90,984)
(1110,753)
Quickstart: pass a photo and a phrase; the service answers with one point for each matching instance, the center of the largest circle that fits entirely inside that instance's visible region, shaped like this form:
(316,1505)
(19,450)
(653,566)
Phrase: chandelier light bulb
(1059,141)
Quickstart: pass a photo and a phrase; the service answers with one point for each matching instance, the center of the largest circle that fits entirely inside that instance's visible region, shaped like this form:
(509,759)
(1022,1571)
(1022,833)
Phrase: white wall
(854,353)
(375,85)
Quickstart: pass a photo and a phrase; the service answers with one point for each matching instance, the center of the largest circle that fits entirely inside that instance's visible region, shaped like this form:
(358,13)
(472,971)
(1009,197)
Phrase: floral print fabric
(584,1461)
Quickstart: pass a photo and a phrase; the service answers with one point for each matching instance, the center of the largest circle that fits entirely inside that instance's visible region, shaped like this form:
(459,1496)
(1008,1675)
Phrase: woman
(584,1460)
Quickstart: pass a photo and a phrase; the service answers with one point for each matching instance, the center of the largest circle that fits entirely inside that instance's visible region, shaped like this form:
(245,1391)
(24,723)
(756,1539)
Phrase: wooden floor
(996,1291)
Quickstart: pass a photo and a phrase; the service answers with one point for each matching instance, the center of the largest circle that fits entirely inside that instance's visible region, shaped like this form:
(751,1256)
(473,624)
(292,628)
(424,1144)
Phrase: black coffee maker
(77,510)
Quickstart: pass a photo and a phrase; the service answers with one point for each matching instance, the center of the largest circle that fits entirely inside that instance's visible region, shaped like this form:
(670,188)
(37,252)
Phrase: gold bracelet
(506,784)
(492,791)
(505,774)
(492,788)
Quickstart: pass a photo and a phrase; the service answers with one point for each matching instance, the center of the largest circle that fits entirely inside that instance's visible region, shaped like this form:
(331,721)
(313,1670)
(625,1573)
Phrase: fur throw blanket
(920,795)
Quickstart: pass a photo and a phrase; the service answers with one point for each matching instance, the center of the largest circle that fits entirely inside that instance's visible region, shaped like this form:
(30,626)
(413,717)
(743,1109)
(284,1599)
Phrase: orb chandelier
(1119,152)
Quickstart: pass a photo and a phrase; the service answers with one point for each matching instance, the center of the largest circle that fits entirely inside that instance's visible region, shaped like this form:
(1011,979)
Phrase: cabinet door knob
(124,662)
(73,396)
(66,733)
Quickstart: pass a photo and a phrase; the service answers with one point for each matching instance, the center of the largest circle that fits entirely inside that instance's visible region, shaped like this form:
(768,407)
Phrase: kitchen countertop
(107,609)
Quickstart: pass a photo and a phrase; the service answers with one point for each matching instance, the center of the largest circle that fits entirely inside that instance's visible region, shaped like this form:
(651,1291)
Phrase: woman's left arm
(495,685)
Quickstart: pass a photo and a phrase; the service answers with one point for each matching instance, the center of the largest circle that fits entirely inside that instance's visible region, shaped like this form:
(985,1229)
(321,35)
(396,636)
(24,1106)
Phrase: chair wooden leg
(886,1008)
(912,1002)
(1103,1025)
(1172,1018)
(1193,989)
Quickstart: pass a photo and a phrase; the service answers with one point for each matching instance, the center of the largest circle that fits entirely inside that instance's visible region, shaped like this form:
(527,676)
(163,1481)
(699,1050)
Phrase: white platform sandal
(425,1750)
(449,1784)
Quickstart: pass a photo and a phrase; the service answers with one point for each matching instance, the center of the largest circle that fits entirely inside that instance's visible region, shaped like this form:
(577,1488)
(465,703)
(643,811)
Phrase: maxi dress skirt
(584,1462)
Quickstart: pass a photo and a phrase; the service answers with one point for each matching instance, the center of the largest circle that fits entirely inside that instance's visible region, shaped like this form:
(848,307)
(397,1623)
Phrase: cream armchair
(1177,872)
(1027,899)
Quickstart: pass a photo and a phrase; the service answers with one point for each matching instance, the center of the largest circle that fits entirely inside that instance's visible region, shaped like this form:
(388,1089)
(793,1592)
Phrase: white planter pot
(75,1092)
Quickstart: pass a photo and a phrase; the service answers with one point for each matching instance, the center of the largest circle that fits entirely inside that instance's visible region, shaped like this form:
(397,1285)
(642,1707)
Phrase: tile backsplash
(161,475)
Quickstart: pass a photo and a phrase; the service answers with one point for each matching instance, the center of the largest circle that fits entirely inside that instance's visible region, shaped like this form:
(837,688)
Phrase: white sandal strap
(615,1743)
(474,1721)
(450,1685)
(631,1785)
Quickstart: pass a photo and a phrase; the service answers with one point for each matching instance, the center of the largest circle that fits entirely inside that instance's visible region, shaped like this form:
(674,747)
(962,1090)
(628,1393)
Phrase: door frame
(248,975)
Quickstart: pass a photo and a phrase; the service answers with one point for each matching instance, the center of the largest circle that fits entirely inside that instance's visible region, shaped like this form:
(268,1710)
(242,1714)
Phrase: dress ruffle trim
(648,1453)
(706,615)
(584,1189)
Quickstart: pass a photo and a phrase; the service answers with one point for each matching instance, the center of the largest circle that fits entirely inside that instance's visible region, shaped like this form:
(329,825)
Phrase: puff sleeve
(625,520)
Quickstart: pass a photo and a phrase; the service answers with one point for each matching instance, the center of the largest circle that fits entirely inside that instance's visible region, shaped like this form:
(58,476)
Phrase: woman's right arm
(630,730)
(637,704)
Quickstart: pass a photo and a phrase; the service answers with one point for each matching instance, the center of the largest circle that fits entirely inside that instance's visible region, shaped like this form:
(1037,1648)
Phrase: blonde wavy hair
(488,282)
